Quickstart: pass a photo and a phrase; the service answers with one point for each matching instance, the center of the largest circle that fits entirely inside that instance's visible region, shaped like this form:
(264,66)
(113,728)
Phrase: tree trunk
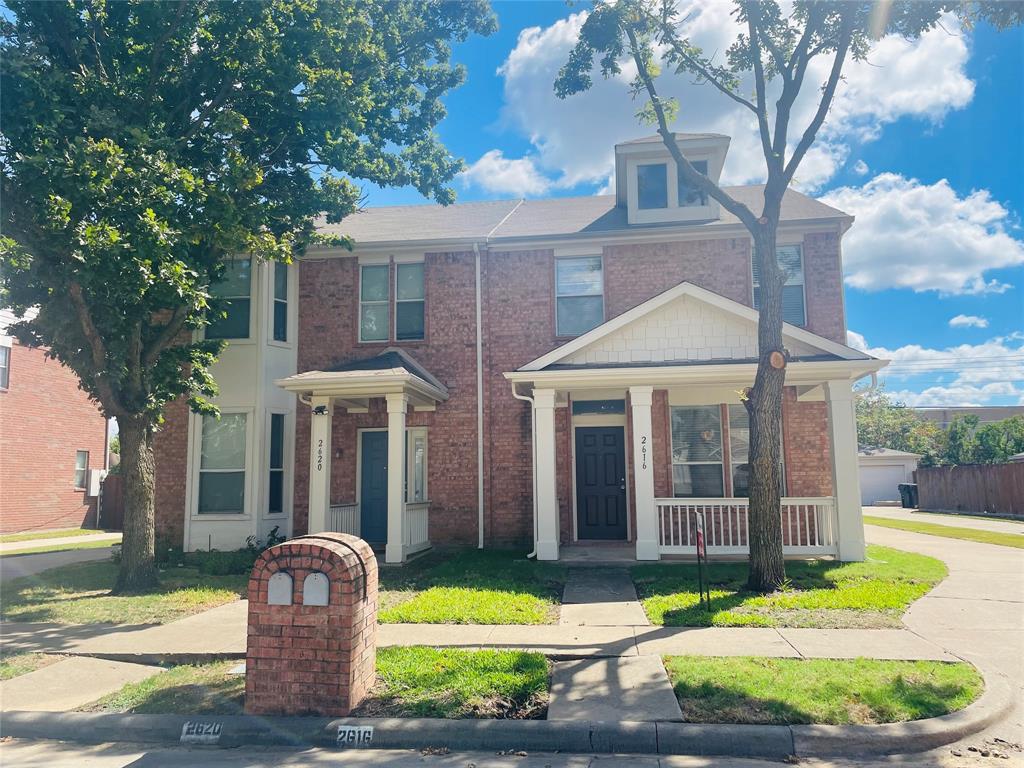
(138,563)
(764,405)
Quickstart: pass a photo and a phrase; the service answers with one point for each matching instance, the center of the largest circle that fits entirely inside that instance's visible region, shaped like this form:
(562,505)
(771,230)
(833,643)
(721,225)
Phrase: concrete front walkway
(16,566)
(70,683)
(601,597)
(955,521)
(11,547)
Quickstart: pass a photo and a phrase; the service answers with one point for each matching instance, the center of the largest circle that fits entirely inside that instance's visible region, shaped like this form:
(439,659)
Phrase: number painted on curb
(355,735)
(193,732)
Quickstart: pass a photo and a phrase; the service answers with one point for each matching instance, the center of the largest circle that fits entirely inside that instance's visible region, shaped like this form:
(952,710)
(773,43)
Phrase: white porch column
(842,433)
(640,399)
(547,487)
(319,463)
(398,404)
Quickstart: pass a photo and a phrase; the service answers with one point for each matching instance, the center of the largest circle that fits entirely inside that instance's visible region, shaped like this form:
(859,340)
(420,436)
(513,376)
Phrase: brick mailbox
(312,639)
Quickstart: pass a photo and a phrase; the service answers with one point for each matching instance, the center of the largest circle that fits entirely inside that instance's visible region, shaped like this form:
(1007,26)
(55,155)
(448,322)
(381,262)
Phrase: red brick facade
(518,325)
(45,418)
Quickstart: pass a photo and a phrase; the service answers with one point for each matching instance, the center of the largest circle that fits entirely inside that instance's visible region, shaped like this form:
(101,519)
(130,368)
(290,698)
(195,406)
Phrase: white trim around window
(377,305)
(195,475)
(578,295)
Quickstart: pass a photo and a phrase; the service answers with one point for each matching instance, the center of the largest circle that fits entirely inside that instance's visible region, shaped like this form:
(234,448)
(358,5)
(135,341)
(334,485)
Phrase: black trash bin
(908,495)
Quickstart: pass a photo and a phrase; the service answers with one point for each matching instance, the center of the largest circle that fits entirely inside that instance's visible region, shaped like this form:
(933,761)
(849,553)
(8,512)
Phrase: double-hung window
(275,496)
(652,186)
(697,452)
(791,263)
(739,451)
(81,469)
(409,301)
(691,196)
(234,291)
(5,367)
(373,302)
(222,465)
(579,295)
(280,301)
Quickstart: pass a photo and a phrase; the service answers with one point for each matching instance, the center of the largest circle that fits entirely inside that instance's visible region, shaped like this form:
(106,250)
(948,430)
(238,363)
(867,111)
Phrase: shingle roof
(552,217)
(391,360)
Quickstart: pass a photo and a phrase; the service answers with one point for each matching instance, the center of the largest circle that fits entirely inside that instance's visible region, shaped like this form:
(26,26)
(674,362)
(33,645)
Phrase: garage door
(879,482)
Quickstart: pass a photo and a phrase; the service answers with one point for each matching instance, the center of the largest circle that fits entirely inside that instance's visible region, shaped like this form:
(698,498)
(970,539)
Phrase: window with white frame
(81,469)
(275,492)
(373,302)
(739,451)
(416,465)
(579,295)
(697,452)
(280,301)
(792,264)
(234,291)
(652,186)
(5,367)
(222,465)
(689,196)
(409,301)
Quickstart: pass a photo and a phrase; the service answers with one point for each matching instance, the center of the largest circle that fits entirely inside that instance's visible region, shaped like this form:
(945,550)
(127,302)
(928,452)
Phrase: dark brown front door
(600,483)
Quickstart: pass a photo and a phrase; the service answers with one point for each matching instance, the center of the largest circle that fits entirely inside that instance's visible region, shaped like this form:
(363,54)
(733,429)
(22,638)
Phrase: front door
(600,483)
(373,487)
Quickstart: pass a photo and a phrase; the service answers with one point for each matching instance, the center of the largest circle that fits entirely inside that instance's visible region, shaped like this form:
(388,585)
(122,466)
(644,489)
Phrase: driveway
(16,566)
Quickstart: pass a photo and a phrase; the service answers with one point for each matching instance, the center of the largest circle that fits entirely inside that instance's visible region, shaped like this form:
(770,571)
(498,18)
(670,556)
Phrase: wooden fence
(992,488)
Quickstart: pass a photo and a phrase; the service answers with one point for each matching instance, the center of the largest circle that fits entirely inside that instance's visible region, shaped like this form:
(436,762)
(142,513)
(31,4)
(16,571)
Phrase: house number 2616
(320,456)
(643,452)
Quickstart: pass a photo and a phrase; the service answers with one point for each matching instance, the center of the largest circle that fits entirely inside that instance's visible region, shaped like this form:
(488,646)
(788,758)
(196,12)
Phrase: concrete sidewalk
(12,547)
(70,683)
(954,521)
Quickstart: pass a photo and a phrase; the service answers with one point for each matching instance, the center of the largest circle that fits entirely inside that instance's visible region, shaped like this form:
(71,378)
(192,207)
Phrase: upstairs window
(5,367)
(690,196)
(280,301)
(222,465)
(791,262)
(373,303)
(579,295)
(275,504)
(652,186)
(234,290)
(697,452)
(81,469)
(409,302)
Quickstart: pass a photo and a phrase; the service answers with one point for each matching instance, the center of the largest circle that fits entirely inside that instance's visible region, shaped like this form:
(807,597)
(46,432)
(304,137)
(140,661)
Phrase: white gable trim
(700,294)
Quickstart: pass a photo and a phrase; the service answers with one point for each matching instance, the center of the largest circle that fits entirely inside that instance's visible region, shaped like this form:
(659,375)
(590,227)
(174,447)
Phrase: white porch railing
(343,518)
(809,526)
(417,531)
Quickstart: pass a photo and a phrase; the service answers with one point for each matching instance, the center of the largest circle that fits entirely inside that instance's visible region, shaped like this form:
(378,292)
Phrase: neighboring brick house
(544,372)
(51,437)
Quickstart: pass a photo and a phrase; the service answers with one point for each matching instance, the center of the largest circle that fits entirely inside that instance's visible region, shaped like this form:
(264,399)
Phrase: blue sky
(924,146)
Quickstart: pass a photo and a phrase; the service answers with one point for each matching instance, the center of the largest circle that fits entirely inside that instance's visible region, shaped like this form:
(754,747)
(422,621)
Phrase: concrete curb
(993,705)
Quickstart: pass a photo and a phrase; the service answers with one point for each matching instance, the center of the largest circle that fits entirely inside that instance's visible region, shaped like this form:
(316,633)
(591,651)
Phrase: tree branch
(170,331)
(111,403)
(762,107)
(691,174)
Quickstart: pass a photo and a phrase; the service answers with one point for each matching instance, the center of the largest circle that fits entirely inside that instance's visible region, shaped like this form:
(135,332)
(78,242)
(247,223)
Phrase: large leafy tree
(144,143)
(883,422)
(768,62)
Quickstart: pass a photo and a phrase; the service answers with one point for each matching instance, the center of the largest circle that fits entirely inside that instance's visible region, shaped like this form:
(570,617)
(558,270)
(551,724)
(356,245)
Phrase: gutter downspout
(479,405)
(533,461)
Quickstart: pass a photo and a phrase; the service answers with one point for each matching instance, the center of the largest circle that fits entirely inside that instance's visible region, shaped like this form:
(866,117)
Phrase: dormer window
(690,196)
(652,186)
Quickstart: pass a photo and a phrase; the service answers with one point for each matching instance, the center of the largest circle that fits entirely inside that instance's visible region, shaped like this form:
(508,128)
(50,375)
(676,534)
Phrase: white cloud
(498,174)
(968,321)
(924,237)
(977,373)
(574,138)
(861,168)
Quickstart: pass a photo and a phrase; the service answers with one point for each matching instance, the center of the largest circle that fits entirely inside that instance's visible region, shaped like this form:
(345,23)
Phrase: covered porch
(657,436)
(391,509)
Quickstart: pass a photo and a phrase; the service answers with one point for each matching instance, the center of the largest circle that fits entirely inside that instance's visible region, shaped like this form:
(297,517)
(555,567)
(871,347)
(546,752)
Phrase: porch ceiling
(355,382)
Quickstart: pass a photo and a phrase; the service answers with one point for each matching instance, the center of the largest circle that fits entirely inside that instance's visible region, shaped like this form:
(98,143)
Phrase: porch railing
(345,518)
(808,525)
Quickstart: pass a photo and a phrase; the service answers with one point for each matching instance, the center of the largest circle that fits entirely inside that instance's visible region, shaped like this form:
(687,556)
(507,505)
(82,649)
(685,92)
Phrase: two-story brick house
(551,372)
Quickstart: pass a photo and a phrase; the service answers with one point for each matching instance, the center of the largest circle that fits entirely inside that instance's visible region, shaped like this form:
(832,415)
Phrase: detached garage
(881,472)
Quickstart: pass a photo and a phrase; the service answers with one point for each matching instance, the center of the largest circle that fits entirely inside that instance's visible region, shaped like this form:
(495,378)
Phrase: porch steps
(601,597)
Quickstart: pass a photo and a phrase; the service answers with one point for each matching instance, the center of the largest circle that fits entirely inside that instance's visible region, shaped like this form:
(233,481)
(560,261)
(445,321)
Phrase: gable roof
(812,345)
(557,217)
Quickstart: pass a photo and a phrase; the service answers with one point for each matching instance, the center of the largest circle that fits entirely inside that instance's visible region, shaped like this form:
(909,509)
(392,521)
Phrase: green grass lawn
(60,547)
(472,587)
(828,691)
(17,664)
(950,531)
(819,593)
(43,535)
(80,594)
(411,682)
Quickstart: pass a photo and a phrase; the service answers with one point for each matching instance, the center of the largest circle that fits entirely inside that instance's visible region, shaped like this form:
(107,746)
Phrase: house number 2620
(320,456)
(643,452)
